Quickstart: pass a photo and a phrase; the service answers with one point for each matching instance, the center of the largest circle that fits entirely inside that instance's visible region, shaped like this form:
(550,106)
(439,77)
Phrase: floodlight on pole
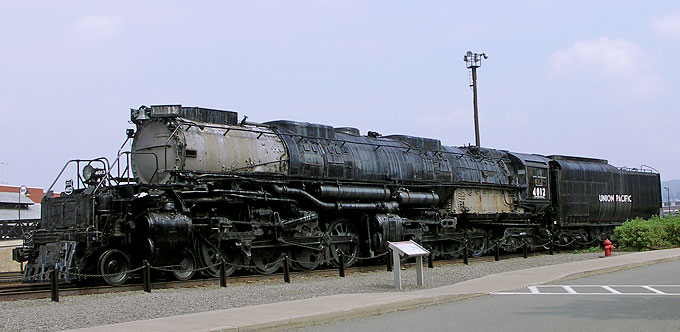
(4,164)
(668,195)
(23,190)
(474,61)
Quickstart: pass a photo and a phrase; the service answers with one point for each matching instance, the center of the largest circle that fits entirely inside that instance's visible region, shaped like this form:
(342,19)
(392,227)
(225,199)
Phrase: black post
(388,260)
(430,264)
(465,252)
(551,245)
(497,252)
(54,285)
(147,277)
(525,248)
(223,274)
(341,257)
(286,269)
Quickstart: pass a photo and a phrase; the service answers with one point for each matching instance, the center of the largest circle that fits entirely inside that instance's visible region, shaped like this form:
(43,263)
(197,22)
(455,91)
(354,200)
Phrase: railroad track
(6,276)
(19,291)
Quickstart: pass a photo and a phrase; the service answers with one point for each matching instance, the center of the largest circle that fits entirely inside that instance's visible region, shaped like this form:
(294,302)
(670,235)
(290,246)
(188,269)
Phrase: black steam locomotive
(198,186)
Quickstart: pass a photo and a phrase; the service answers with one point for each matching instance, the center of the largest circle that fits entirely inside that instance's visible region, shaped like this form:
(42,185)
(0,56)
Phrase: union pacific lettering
(617,198)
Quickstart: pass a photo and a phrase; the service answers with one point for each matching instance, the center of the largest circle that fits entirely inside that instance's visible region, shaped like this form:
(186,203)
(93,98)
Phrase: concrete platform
(6,262)
(274,316)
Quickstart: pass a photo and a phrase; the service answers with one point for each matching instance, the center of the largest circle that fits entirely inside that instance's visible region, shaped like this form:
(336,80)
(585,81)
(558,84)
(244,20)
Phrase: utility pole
(474,61)
(4,164)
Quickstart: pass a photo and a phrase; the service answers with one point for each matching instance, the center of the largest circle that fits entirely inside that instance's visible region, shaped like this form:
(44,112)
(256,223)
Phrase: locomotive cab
(533,179)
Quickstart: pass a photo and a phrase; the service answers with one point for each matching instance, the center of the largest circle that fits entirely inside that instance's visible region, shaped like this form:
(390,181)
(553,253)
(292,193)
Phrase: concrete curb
(321,310)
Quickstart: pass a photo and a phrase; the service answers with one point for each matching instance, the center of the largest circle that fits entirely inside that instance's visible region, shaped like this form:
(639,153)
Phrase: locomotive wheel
(452,249)
(478,246)
(349,247)
(188,265)
(511,244)
(564,239)
(209,257)
(437,251)
(266,261)
(306,259)
(114,265)
(598,235)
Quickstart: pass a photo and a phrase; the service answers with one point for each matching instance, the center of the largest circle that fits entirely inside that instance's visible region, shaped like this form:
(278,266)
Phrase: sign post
(408,248)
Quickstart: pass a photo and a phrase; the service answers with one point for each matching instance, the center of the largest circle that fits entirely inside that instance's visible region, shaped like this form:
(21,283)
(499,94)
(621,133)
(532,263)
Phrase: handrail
(130,153)
(165,147)
(108,173)
(639,170)
(650,167)
(103,160)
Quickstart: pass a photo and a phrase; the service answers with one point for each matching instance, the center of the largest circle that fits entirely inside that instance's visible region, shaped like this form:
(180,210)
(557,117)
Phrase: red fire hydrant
(608,247)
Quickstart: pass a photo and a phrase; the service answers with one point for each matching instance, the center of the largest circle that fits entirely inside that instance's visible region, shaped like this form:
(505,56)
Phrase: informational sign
(408,248)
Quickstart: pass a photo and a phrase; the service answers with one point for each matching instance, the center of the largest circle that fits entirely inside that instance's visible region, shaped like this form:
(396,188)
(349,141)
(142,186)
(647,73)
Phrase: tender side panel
(645,188)
(592,192)
(578,185)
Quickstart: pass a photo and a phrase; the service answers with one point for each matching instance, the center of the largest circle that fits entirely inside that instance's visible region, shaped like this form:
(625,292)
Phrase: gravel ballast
(93,310)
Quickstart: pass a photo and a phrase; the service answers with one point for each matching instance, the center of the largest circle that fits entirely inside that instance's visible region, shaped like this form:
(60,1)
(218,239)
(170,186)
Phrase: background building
(670,207)
(18,212)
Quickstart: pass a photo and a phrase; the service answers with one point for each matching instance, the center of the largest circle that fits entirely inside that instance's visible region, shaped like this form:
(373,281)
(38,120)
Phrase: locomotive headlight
(92,174)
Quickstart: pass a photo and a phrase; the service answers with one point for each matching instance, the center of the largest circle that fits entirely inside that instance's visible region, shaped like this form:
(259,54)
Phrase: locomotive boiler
(198,186)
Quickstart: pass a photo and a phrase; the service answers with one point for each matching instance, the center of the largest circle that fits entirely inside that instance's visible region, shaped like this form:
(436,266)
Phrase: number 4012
(539,192)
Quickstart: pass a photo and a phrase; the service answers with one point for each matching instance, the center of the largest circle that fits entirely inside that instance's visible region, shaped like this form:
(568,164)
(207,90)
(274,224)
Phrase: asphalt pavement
(639,299)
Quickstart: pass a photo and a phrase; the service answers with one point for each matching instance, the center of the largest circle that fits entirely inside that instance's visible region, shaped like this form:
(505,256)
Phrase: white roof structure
(33,211)
(13,198)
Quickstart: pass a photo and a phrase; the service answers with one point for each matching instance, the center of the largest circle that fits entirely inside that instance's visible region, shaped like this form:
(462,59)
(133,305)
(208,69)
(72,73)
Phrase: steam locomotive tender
(205,187)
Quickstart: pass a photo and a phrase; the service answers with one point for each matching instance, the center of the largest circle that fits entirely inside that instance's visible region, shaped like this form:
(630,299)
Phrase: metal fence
(14,230)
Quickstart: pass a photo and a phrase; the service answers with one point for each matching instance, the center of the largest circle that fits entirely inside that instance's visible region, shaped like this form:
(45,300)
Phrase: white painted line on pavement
(540,286)
(603,294)
(611,290)
(654,290)
(569,289)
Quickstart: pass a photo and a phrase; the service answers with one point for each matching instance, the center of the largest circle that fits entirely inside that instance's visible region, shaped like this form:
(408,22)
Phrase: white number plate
(539,193)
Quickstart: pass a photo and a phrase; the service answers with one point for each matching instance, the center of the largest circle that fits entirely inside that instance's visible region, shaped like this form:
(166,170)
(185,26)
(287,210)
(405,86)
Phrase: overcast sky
(585,78)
